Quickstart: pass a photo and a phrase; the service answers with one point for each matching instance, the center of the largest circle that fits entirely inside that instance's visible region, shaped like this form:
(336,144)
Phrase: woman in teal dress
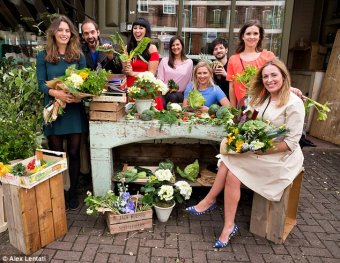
(63,50)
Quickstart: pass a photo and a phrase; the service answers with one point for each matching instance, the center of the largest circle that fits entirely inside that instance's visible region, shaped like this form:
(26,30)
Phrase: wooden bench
(275,220)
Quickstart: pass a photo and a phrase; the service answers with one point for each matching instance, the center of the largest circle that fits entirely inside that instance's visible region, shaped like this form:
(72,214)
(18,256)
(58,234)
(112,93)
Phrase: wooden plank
(3,220)
(45,217)
(30,223)
(106,116)
(259,215)
(113,97)
(106,106)
(130,226)
(10,214)
(277,218)
(329,130)
(58,205)
(294,197)
(116,219)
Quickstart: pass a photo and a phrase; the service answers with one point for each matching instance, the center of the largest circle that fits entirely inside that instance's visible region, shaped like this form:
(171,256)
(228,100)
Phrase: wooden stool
(275,220)
(3,223)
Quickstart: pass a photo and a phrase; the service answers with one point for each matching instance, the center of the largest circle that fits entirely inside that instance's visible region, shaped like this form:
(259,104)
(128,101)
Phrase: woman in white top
(176,67)
(269,173)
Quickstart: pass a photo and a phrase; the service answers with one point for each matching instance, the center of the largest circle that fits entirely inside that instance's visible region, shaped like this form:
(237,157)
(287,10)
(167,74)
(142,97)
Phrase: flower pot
(142,105)
(163,213)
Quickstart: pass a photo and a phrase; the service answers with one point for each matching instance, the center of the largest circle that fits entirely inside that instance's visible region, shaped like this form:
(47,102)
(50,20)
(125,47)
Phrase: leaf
(142,45)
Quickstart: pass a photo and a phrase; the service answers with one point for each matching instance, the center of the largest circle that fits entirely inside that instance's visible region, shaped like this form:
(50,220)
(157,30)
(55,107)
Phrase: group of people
(266,173)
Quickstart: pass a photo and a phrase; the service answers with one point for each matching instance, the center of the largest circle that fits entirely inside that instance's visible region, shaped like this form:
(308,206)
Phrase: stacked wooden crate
(110,105)
(35,205)
(108,108)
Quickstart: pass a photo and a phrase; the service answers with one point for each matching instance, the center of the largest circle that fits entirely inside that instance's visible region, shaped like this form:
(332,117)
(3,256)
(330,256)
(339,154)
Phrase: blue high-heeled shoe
(192,210)
(219,244)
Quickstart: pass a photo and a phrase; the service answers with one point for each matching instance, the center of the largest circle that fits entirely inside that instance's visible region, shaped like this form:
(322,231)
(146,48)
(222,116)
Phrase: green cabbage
(195,99)
(190,171)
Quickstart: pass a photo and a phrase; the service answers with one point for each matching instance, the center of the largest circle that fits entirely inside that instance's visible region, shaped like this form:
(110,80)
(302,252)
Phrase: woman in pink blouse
(176,67)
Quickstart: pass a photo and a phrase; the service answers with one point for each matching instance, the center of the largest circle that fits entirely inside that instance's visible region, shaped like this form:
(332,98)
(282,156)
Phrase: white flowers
(163,175)
(175,107)
(166,193)
(184,189)
(75,79)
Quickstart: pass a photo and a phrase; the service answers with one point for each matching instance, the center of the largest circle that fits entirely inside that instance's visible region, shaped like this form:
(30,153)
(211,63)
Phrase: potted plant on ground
(162,193)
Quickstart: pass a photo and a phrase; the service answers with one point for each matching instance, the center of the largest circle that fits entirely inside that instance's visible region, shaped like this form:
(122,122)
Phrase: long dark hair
(240,47)
(132,44)
(171,61)
(72,52)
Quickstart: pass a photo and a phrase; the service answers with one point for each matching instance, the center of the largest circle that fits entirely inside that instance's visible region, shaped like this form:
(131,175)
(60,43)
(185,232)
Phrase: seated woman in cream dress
(269,173)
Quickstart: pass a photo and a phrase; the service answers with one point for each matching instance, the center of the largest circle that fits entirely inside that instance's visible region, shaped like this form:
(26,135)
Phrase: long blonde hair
(73,50)
(202,64)
(259,93)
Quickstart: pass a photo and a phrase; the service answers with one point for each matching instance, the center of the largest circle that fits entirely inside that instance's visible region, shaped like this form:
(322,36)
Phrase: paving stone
(114,258)
(277,258)
(143,255)
(67,255)
(101,257)
(111,249)
(164,252)
(80,243)
(89,252)
(61,245)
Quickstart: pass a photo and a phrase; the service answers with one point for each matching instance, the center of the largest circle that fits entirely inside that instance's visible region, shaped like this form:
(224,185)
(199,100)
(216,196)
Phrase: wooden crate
(102,109)
(111,97)
(36,216)
(129,222)
(59,164)
(275,220)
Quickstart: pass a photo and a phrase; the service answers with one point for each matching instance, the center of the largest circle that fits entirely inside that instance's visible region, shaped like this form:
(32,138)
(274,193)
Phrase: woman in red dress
(150,57)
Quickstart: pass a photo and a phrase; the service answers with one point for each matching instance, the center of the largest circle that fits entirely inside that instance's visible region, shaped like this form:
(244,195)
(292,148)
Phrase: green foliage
(190,171)
(247,75)
(147,115)
(213,109)
(321,108)
(20,111)
(195,99)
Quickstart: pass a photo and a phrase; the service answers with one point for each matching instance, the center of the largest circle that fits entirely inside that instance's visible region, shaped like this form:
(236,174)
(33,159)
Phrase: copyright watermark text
(41,258)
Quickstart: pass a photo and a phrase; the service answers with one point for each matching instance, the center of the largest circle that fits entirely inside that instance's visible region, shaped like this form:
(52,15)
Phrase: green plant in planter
(20,111)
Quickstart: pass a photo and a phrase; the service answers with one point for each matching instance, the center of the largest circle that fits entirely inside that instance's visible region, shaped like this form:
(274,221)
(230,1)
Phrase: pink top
(235,67)
(181,74)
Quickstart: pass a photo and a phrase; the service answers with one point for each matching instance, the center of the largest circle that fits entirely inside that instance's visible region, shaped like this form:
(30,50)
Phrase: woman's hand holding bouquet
(75,85)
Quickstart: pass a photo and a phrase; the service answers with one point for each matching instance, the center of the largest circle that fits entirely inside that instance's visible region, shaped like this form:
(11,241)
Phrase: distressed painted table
(106,135)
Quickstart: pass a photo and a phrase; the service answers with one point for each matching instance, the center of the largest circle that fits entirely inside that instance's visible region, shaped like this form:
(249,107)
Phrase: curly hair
(73,50)
(259,93)
(241,46)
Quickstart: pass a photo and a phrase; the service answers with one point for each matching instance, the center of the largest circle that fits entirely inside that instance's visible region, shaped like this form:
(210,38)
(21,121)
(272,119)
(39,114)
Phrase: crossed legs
(226,180)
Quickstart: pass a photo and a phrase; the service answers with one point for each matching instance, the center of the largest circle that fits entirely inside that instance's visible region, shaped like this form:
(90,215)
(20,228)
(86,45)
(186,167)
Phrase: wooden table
(106,135)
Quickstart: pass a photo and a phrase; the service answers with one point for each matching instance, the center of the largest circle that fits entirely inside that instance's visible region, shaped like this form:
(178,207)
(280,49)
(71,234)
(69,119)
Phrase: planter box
(128,222)
(30,181)
(36,216)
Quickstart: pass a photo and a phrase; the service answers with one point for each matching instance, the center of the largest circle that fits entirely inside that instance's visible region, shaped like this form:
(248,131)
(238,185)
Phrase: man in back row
(220,50)
(94,58)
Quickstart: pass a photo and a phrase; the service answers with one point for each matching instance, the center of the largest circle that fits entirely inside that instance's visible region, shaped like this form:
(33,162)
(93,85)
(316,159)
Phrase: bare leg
(215,190)
(232,192)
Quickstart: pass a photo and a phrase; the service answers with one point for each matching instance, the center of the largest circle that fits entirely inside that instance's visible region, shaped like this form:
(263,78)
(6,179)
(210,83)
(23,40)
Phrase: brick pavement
(316,238)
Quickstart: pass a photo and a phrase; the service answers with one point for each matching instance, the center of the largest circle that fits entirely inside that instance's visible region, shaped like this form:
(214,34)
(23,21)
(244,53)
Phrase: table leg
(102,170)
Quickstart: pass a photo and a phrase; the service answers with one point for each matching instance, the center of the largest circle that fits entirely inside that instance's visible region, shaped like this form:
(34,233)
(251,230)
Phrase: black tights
(55,143)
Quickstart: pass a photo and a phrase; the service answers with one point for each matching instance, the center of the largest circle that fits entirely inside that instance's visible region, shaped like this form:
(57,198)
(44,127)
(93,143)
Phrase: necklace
(265,108)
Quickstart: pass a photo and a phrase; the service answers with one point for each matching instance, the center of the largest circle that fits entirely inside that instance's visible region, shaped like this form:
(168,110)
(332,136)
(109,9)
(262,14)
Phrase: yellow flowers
(238,145)
(4,169)
(230,138)
(83,75)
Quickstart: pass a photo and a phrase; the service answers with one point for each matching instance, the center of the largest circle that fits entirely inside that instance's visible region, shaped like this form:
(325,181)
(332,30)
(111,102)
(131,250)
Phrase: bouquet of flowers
(160,190)
(80,83)
(250,135)
(123,203)
(147,87)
